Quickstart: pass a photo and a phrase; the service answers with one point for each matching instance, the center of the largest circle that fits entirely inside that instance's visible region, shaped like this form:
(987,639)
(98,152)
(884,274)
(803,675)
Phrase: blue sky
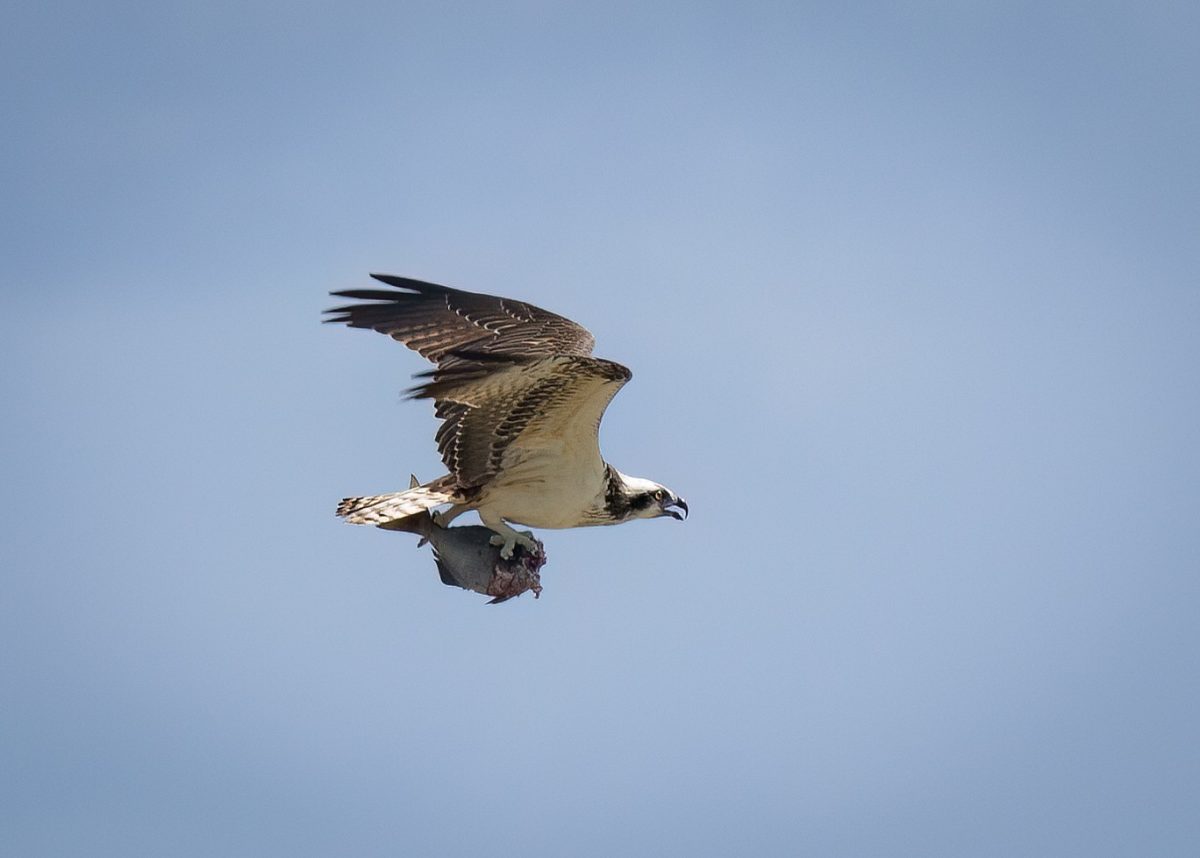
(910,295)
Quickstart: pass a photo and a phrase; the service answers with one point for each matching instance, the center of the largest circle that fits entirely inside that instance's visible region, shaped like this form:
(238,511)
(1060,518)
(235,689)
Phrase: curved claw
(508,543)
(442,519)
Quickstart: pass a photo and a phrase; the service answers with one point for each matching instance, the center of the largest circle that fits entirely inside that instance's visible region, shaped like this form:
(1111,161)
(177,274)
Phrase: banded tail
(381,509)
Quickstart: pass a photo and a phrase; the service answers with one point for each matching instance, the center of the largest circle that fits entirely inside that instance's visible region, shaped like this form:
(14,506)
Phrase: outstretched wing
(500,414)
(438,321)
(512,381)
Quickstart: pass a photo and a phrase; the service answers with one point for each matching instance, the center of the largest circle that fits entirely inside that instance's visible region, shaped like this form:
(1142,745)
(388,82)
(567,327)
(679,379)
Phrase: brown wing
(437,321)
(502,365)
(491,410)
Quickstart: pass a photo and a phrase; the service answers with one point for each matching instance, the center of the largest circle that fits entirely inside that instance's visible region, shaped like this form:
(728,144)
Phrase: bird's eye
(658,494)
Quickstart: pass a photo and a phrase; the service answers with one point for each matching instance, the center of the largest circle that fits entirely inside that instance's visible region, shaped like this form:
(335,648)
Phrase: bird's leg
(507,538)
(443,519)
(509,541)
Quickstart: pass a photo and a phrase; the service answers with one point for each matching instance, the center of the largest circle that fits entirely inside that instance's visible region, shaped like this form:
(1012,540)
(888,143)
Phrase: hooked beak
(672,505)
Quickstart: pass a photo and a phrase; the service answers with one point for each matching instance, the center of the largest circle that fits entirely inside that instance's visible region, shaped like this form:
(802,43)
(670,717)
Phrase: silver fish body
(466,558)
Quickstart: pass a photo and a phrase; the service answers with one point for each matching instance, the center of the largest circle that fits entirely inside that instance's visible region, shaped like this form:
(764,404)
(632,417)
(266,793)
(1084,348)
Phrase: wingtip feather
(409,283)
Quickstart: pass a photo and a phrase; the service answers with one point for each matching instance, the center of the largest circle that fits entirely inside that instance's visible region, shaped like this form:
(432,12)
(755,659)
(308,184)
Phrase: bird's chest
(546,487)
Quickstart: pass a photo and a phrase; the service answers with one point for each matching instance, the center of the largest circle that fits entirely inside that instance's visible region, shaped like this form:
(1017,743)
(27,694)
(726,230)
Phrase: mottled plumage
(520,398)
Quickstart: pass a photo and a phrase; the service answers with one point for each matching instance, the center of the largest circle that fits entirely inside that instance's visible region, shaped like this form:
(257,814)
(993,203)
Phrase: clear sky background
(911,297)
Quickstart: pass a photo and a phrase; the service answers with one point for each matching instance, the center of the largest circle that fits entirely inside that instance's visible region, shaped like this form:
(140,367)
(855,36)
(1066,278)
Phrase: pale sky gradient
(911,296)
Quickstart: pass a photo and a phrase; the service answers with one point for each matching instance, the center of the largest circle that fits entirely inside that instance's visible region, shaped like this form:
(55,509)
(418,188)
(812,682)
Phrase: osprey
(520,398)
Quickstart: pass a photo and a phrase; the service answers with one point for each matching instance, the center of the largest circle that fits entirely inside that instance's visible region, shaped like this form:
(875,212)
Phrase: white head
(635,497)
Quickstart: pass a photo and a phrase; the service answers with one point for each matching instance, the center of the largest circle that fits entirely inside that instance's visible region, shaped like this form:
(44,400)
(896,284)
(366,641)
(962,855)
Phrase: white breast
(546,484)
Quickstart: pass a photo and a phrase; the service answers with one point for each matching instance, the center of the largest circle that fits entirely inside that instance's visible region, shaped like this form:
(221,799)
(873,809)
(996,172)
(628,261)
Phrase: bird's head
(640,498)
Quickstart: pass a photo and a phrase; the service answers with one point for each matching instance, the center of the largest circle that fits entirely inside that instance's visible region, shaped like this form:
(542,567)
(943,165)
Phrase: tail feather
(380,509)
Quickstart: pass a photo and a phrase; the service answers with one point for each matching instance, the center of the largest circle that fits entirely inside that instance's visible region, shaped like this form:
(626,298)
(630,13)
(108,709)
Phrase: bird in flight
(520,397)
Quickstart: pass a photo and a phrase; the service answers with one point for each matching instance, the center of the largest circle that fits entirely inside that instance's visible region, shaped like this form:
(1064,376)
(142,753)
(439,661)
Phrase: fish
(466,558)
